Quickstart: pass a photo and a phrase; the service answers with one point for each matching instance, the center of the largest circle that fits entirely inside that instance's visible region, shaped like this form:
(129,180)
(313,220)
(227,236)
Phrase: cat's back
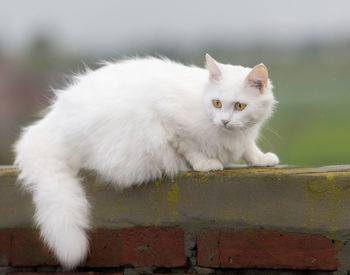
(139,83)
(146,72)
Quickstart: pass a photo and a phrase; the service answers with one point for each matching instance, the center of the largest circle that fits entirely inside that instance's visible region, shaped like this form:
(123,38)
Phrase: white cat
(134,121)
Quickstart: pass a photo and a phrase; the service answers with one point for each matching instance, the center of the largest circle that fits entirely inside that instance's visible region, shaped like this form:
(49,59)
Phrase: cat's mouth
(233,127)
(227,128)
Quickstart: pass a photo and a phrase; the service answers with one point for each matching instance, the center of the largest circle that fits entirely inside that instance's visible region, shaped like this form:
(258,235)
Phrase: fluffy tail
(62,210)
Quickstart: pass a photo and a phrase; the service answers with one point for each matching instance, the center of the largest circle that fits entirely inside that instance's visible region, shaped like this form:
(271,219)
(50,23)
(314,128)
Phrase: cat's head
(237,97)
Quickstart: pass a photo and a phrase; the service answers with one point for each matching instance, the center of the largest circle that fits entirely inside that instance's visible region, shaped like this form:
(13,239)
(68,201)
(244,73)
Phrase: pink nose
(224,121)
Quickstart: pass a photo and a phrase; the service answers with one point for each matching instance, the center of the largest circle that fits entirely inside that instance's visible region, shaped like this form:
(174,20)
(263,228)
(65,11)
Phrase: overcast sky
(105,25)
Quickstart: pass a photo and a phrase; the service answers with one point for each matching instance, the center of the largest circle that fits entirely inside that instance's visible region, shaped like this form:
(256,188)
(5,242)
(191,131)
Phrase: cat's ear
(213,68)
(258,77)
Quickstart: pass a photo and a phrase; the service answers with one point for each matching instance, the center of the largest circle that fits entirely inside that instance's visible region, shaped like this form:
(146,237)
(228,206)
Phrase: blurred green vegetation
(311,123)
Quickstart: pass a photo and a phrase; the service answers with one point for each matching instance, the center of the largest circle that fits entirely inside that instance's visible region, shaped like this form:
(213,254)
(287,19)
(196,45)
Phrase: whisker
(264,139)
(274,132)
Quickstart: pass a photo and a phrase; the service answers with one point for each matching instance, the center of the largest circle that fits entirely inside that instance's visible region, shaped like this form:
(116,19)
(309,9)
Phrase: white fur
(134,121)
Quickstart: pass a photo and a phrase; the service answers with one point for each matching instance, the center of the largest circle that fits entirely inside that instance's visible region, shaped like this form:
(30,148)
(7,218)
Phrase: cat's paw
(268,159)
(271,159)
(208,165)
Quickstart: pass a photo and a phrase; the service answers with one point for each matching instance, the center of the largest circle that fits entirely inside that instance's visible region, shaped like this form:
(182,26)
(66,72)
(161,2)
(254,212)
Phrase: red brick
(153,246)
(138,246)
(169,247)
(268,249)
(27,249)
(5,247)
(105,249)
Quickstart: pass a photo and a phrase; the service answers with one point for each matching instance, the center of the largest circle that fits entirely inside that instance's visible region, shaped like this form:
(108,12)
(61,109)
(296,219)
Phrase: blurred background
(304,44)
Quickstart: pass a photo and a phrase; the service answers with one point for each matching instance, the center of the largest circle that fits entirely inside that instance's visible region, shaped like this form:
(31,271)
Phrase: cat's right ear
(213,68)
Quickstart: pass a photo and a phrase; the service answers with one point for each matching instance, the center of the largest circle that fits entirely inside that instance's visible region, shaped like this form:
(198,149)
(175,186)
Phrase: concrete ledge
(298,199)
(294,200)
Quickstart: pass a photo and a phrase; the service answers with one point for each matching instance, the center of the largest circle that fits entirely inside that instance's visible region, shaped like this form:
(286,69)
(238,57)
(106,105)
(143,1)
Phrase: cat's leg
(253,156)
(198,160)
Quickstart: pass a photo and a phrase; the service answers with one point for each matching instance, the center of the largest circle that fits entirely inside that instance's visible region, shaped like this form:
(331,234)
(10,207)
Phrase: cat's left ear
(258,76)
(213,68)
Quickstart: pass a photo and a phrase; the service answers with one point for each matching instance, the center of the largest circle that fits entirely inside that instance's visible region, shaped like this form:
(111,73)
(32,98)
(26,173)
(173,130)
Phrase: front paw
(268,159)
(208,165)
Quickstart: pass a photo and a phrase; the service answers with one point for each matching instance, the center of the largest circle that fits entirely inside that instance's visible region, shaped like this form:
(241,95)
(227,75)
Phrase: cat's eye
(240,106)
(217,103)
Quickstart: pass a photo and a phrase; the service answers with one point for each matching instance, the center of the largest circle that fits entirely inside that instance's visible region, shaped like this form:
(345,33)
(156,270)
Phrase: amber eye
(240,106)
(217,103)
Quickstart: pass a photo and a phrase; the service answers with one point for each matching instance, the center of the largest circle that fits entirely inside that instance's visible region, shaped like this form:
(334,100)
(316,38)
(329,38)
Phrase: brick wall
(164,248)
